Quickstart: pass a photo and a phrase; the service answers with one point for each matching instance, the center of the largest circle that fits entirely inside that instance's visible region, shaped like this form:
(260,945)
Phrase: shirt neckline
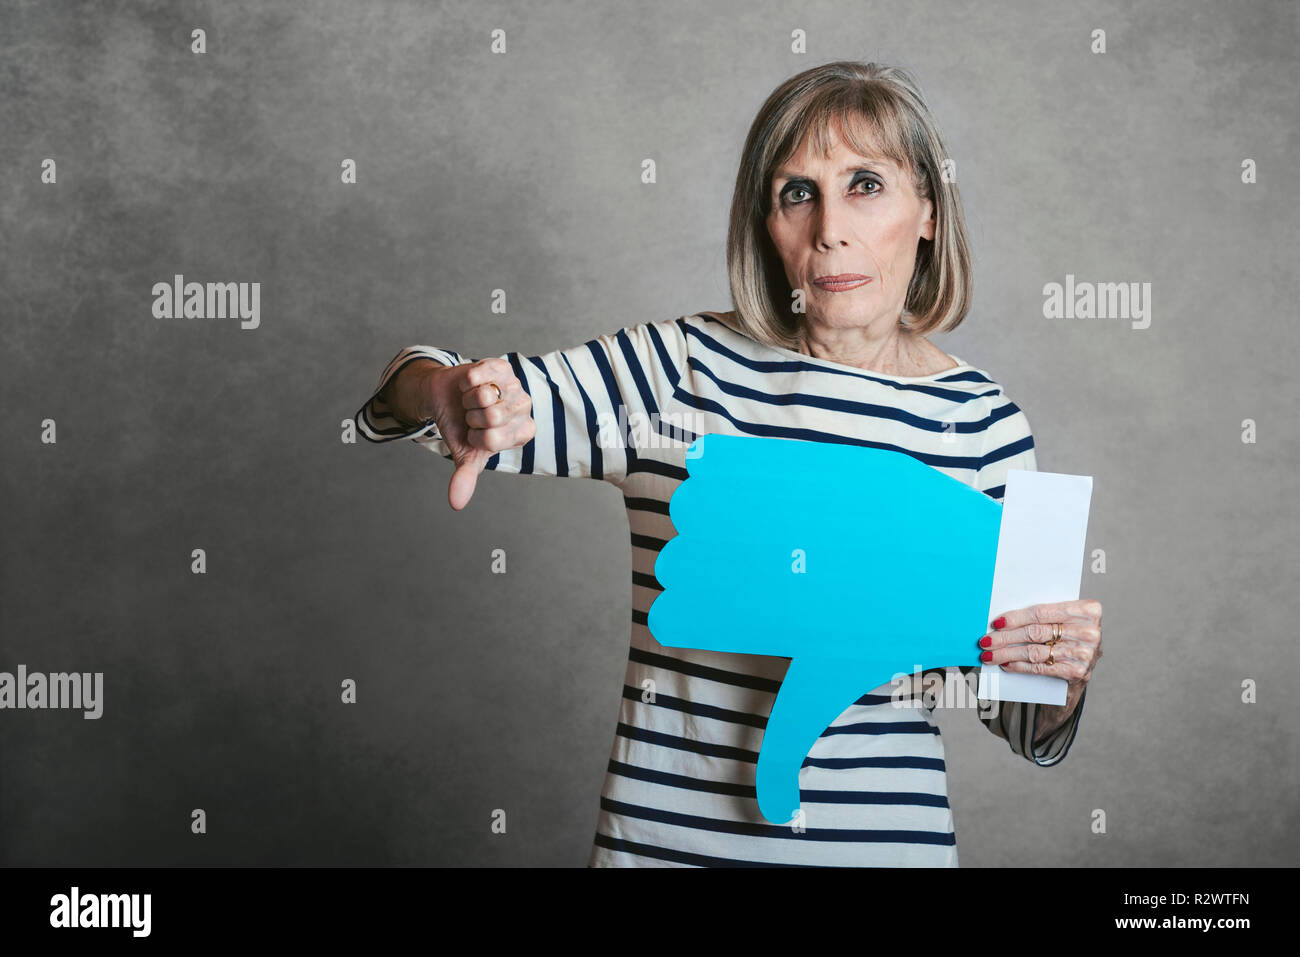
(831,364)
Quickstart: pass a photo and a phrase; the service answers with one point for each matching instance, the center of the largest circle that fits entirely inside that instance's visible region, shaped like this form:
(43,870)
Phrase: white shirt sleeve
(585,401)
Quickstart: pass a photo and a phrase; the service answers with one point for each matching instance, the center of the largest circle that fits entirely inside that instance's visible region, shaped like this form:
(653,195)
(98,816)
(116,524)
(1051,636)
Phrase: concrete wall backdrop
(521,171)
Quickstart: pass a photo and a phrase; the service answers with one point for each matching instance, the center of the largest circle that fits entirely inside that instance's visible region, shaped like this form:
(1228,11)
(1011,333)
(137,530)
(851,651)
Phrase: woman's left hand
(1021,641)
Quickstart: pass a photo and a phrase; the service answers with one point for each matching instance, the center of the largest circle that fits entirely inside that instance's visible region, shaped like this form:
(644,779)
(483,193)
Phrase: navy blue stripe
(671,372)
(656,467)
(647,541)
(1006,451)
(889,798)
(844,835)
(869,699)
(683,781)
(637,504)
(677,743)
(690,745)
(678,857)
(847,406)
(677,433)
(389,435)
(589,411)
(649,406)
(904,761)
(734,678)
(615,400)
(694,670)
(1004,411)
(816,435)
(559,434)
(812,796)
(883,727)
(694,707)
(646,580)
(967,375)
(686,706)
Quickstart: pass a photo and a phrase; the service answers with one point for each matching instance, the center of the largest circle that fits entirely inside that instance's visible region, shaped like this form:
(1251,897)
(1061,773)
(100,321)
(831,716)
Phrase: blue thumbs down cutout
(859,564)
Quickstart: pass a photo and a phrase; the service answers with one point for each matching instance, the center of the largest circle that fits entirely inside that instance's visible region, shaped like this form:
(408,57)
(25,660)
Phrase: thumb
(465,478)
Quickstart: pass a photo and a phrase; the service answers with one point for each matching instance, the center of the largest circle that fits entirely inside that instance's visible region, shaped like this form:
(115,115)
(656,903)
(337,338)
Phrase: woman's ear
(927,225)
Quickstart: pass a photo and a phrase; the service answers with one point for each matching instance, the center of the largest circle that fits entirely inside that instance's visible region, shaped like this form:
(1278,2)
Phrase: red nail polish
(1000,623)
(986,656)
(986,641)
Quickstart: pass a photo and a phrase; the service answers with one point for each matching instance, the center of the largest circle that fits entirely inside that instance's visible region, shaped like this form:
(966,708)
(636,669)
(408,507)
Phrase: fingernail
(986,656)
(986,641)
(1001,622)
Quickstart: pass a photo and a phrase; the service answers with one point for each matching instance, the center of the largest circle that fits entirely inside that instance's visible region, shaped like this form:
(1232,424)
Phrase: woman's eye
(790,197)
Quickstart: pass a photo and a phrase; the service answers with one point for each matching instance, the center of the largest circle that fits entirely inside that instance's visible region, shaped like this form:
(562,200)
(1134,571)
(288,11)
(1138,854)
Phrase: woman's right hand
(475,421)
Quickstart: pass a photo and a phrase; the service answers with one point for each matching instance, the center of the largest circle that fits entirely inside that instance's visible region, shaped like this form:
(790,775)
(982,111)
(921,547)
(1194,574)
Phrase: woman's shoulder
(694,330)
(929,359)
(727,319)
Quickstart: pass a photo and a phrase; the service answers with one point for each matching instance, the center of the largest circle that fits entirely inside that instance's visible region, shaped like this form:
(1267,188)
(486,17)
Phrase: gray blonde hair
(857,98)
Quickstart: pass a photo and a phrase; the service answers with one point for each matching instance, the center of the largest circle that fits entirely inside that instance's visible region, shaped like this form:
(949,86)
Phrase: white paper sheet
(1040,559)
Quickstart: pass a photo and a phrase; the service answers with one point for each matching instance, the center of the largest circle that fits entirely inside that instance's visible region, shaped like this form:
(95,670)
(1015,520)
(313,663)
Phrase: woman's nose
(830,222)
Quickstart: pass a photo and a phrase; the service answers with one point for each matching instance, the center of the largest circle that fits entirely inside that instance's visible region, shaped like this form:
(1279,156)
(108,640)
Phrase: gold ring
(498,388)
(1051,642)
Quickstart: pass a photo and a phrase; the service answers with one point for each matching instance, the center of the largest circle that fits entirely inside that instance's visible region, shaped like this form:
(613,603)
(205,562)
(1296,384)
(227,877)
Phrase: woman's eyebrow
(852,167)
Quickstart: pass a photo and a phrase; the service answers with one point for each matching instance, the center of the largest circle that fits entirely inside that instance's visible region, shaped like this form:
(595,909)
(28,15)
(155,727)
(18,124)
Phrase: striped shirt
(679,789)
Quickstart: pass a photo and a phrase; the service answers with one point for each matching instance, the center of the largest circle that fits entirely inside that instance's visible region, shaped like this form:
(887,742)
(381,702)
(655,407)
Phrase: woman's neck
(900,352)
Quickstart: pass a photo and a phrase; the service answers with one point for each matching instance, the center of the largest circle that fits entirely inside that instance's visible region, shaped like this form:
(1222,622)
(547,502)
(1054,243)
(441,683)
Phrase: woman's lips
(842,282)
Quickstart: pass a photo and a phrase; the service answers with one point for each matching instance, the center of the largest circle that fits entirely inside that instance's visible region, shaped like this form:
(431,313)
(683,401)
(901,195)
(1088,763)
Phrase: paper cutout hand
(857,563)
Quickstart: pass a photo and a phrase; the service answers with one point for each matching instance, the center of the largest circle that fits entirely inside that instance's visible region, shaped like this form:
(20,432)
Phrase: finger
(1070,661)
(485,370)
(474,385)
(1036,652)
(1041,632)
(1072,669)
(485,396)
(1082,610)
(464,480)
(514,404)
(511,435)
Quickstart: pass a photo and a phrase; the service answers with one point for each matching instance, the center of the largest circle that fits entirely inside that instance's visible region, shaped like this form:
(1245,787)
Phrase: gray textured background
(521,171)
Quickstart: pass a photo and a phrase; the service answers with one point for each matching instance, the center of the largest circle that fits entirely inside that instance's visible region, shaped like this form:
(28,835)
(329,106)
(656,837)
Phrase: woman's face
(848,216)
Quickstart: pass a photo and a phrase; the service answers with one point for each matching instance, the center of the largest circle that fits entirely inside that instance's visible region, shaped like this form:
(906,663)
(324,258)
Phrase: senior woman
(846,247)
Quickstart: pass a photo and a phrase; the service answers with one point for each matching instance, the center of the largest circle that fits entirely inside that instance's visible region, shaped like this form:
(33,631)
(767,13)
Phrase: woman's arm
(1039,733)
(583,399)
